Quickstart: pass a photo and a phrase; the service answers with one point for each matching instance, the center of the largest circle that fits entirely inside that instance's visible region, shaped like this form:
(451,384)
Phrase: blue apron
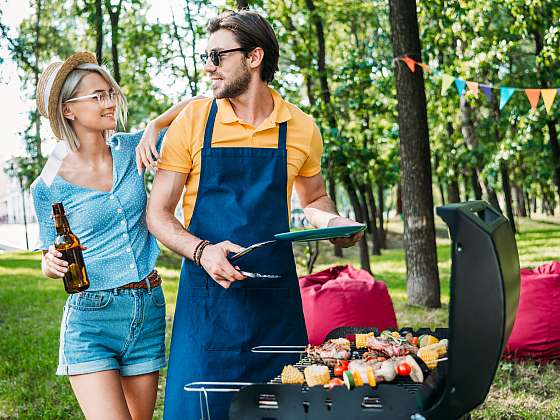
(241,198)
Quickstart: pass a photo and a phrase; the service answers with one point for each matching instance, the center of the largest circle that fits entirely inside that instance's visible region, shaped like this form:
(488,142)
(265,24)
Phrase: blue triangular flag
(505,95)
(460,85)
(487,89)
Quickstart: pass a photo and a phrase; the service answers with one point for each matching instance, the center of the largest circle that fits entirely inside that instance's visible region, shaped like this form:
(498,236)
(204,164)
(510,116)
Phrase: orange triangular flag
(409,62)
(533,95)
(425,67)
(473,87)
(548,96)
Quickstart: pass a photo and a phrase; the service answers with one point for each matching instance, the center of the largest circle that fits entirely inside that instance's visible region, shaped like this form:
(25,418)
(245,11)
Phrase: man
(236,157)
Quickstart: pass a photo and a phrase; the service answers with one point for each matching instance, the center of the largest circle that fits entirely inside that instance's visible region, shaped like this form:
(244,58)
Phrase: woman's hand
(146,152)
(215,261)
(53,264)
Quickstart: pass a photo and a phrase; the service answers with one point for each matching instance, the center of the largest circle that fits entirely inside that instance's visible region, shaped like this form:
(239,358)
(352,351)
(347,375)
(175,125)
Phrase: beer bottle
(75,279)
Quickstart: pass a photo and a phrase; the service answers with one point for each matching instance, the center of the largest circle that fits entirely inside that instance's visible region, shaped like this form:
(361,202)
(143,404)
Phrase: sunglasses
(215,55)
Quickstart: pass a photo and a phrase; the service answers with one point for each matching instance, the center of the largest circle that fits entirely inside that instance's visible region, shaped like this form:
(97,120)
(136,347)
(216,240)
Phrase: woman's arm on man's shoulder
(147,152)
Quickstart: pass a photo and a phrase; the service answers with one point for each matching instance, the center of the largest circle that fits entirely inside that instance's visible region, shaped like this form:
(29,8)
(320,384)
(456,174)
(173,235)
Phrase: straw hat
(50,83)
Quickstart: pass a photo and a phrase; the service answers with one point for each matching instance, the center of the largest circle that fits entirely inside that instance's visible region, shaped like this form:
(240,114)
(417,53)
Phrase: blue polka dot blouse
(112,225)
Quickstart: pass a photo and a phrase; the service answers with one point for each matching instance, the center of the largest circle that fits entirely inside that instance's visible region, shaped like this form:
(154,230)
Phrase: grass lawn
(31,307)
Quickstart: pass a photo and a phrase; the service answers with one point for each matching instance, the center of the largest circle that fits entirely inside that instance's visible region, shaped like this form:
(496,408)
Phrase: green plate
(320,234)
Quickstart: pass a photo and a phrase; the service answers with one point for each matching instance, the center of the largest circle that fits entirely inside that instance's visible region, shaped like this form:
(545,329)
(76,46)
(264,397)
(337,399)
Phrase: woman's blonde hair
(69,89)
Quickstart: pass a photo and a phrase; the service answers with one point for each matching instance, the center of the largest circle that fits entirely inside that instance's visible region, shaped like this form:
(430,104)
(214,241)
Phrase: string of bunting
(533,95)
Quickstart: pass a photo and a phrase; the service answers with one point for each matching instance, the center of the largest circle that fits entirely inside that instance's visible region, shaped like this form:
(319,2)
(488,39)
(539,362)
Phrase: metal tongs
(250,249)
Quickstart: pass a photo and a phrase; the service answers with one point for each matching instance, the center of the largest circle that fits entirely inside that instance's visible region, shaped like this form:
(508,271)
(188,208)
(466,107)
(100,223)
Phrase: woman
(112,339)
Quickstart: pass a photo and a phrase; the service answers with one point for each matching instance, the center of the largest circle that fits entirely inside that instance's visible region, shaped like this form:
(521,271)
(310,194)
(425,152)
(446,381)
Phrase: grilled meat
(330,351)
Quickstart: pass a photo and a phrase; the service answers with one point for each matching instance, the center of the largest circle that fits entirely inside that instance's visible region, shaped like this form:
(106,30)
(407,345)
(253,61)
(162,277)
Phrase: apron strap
(282,130)
(210,125)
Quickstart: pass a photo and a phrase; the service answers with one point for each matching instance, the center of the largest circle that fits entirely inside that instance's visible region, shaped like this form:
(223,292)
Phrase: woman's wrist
(157,123)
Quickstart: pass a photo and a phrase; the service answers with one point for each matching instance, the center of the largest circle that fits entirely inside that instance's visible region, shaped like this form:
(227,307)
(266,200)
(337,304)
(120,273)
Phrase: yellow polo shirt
(184,140)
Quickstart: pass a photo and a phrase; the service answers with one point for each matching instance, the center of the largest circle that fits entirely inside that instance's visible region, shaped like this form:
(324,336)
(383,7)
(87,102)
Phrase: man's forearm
(169,231)
(320,212)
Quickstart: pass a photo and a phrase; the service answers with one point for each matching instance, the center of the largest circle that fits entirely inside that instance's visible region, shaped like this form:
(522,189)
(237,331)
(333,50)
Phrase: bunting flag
(548,95)
(473,87)
(460,85)
(410,62)
(487,89)
(424,67)
(446,81)
(534,96)
(505,95)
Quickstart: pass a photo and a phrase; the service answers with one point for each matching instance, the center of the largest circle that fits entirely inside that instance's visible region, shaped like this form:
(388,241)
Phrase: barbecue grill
(484,294)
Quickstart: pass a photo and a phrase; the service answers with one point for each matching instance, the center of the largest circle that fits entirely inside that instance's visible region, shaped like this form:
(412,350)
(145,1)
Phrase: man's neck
(254,105)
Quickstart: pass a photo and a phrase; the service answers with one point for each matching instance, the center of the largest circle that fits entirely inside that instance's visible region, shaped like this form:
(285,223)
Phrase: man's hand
(146,152)
(214,260)
(345,242)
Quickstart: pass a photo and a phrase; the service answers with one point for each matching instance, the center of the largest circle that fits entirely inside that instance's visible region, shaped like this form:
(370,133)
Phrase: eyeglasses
(103,97)
(215,55)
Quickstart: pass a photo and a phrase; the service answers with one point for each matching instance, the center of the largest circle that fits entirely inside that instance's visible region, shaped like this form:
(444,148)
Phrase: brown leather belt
(153,278)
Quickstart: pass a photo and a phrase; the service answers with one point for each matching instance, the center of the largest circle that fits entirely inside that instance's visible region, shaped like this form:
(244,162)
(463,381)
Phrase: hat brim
(70,64)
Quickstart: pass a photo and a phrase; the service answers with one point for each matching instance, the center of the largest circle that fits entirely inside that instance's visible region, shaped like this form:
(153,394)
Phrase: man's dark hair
(251,30)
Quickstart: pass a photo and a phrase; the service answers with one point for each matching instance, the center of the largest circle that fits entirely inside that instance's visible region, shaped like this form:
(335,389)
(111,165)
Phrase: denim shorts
(122,329)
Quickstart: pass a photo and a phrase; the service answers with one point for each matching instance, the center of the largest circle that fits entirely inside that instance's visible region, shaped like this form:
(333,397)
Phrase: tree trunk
(528,202)
(476,185)
(114,15)
(364,254)
(332,194)
(535,204)
(373,219)
(467,187)
(520,201)
(492,197)
(399,200)
(313,253)
(98,31)
(419,229)
(453,195)
(381,207)
(242,4)
(507,192)
(552,122)
(36,53)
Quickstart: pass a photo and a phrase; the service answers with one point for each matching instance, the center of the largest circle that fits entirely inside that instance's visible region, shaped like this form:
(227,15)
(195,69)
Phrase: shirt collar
(280,112)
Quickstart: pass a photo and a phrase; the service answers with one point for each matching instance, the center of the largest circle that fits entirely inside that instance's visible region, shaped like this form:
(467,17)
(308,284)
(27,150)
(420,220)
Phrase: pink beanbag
(536,331)
(344,296)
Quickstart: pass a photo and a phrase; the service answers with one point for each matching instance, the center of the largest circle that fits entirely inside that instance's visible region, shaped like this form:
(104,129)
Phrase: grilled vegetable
(416,372)
(341,366)
(426,340)
(358,381)
(361,340)
(440,347)
(370,376)
(429,356)
(291,375)
(348,380)
(403,369)
(317,375)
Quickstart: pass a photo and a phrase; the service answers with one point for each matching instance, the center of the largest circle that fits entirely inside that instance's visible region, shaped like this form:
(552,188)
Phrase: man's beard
(237,86)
